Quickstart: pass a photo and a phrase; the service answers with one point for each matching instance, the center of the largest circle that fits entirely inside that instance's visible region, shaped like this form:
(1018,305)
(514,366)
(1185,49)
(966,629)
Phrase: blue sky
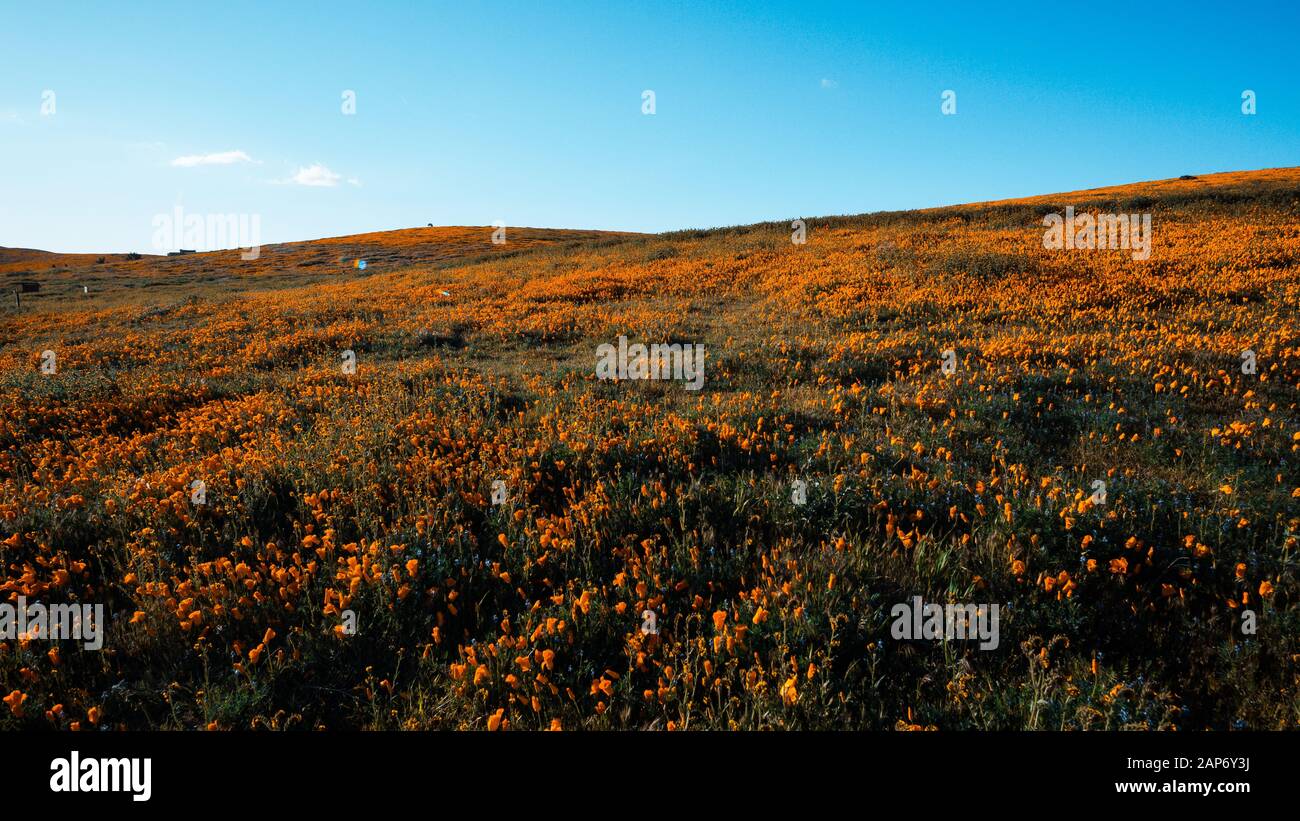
(531,113)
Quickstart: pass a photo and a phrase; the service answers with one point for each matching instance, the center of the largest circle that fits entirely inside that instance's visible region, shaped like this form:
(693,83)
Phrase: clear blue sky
(531,112)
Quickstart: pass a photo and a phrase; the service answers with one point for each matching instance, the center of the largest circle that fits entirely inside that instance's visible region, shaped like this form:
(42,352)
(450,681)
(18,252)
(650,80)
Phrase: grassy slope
(823,366)
(115,279)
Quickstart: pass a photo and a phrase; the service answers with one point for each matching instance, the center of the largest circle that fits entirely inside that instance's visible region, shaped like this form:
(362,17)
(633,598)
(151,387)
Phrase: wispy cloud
(219,158)
(829,83)
(12,117)
(317,176)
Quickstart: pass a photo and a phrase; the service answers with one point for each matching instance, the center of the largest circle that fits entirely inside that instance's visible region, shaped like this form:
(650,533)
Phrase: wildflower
(15,701)
(789,691)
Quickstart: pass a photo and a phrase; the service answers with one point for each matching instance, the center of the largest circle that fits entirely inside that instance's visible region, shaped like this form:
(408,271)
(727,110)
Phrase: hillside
(332,498)
(114,278)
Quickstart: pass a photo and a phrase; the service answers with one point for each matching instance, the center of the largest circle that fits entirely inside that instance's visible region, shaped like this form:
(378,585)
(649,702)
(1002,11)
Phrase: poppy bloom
(790,691)
(15,701)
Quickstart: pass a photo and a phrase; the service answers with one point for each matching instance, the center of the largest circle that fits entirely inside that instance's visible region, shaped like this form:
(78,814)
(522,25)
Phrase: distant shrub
(437,339)
(984,265)
(891,256)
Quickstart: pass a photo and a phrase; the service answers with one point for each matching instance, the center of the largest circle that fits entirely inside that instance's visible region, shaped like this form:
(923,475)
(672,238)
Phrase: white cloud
(829,83)
(316,175)
(219,158)
(12,117)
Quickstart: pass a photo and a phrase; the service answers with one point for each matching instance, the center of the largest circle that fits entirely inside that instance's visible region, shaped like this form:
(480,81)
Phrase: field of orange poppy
(311,495)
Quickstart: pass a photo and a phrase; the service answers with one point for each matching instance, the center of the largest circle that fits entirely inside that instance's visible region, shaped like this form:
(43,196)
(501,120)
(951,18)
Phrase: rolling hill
(418,505)
(155,276)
